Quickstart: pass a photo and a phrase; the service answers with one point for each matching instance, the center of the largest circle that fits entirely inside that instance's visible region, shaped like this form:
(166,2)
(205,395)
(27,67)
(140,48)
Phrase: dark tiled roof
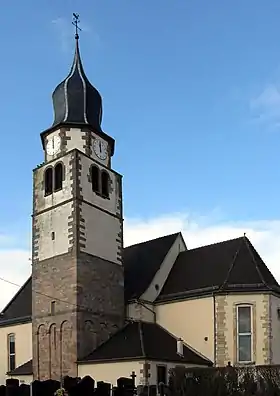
(142,340)
(142,261)
(24,369)
(232,265)
(20,307)
(226,266)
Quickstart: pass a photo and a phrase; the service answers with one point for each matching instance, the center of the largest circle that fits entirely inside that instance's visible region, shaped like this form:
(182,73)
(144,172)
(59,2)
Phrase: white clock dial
(53,145)
(100,149)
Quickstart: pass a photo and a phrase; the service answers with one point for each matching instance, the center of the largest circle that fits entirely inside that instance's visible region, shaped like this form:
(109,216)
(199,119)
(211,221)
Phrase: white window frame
(244,334)
(9,352)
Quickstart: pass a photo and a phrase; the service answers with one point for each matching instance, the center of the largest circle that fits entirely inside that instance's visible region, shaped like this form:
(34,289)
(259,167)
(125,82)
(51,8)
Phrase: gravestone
(24,390)
(86,386)
(12,387)
(103,389)
(125,387)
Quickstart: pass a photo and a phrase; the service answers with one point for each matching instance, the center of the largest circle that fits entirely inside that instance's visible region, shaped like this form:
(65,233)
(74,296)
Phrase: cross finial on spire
(75,22)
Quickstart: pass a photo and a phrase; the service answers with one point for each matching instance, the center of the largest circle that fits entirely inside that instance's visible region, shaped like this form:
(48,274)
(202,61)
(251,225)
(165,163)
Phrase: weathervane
(75,22)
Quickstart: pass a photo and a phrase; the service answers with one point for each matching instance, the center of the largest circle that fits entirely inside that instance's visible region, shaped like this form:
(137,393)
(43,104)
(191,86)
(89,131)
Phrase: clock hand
(100,148)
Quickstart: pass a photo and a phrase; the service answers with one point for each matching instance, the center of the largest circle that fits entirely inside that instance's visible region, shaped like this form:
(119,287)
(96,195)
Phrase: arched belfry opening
(95,178)
(48,181)
(58,176)
(105,184)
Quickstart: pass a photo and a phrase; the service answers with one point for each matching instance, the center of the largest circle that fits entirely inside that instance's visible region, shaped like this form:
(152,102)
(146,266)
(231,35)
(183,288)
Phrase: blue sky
(190,93)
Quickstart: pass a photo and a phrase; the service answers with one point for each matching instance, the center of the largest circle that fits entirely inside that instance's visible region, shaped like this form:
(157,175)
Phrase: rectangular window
(11,352)
(161,374)
(244,334)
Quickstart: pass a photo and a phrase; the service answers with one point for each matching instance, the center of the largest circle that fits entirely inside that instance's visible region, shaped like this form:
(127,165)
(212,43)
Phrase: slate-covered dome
(75,100)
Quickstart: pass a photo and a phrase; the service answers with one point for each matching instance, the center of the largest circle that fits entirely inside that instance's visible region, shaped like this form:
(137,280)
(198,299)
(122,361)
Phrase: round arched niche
(41,330)
(42,349)
(53,351)
(66,347)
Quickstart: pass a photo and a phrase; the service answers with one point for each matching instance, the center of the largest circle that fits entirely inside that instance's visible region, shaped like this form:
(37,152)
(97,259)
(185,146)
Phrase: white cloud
(65,33)
(265,106)
(197,231)
(15,267)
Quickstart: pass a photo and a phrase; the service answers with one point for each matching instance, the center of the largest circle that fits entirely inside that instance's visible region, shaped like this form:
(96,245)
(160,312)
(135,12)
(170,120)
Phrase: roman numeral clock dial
(100,149)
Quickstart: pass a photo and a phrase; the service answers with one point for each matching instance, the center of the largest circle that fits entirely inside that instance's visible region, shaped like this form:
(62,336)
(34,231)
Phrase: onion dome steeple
(75,100)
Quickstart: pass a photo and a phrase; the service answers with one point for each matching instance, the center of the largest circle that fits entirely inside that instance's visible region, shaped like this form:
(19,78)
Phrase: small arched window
(49,181)
(95,178)
(58,176)
(105,184)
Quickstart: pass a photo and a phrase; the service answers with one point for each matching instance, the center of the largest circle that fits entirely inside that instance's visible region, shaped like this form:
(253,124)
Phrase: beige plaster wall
(23,344)
(110,372)
(192,320)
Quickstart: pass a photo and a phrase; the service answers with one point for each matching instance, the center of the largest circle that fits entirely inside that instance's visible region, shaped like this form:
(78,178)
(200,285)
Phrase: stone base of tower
(77,303)
(54,349)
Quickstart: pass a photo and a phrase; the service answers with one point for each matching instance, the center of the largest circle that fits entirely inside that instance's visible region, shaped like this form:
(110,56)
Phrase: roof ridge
(231,265)
(214,243)
(154,239)
(247,244)
(16,294)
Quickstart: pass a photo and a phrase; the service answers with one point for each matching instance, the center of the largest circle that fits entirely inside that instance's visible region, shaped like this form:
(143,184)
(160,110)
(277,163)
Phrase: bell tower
(77,233)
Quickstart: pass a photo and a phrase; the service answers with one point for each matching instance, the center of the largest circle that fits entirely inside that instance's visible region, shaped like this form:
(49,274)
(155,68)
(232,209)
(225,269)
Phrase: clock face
(53,145)
(100,149)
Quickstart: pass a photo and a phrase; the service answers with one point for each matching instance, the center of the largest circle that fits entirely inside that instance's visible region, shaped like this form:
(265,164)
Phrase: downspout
(215,330)
(145,365)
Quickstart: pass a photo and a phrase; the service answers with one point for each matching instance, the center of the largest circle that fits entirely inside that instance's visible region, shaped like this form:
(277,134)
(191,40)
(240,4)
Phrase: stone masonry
(222,355)
(266,325)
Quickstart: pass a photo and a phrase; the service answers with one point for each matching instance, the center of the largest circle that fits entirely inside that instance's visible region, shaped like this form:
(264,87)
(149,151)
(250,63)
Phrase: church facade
(92,306)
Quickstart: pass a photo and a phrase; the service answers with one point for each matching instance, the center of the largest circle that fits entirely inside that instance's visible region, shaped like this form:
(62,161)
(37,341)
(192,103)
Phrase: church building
(93,307)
